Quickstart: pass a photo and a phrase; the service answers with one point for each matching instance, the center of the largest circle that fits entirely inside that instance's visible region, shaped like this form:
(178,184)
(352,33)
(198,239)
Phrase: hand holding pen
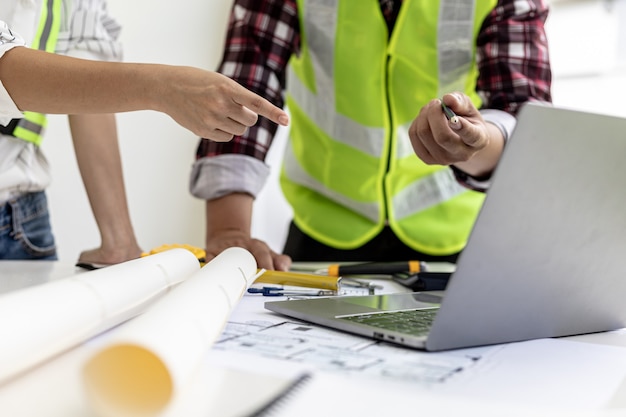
(451,131)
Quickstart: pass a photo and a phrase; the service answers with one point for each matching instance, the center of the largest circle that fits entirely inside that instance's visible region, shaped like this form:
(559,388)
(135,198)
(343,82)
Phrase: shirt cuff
(468,181)
(503,121)
(216,176)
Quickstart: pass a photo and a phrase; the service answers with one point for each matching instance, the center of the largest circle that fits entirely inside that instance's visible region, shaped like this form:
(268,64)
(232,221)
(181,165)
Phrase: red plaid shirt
(263,34)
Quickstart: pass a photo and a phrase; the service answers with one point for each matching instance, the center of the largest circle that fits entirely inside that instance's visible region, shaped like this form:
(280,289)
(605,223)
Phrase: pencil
(299,279)
(450,115)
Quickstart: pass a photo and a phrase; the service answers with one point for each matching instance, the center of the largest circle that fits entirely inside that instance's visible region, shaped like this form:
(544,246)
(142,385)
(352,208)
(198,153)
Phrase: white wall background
(588,48)
(156,152)
(588,51)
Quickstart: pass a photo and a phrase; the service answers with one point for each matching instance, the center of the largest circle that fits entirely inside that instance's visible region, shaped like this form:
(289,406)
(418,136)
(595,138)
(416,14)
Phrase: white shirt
(8,40)
(86,31)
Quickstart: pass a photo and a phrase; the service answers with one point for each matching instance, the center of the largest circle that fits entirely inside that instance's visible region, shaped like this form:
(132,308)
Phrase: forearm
(98,156)
(207,103)
(228,214)
(229,220)
(484,162)
(48,83)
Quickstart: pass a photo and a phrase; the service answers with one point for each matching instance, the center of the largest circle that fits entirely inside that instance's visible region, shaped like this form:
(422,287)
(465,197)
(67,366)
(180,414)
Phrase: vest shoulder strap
(31,127)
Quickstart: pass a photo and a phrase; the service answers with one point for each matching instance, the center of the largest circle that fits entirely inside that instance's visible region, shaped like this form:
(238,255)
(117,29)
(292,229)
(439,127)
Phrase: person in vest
(40,81)
(373,169)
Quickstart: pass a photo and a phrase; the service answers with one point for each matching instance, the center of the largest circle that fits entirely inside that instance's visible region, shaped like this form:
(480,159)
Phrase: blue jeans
(25,231)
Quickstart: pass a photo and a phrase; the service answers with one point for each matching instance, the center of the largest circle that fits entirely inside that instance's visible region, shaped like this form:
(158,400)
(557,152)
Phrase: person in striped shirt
(202,101)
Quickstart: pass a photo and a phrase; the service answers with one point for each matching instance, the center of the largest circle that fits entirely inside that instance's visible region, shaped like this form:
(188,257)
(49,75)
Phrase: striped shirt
(86,31)
(512,57)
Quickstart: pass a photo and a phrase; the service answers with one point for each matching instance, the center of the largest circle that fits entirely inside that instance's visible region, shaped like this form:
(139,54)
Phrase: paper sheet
(42,321)
(146,363)
(545,374)
(538,378)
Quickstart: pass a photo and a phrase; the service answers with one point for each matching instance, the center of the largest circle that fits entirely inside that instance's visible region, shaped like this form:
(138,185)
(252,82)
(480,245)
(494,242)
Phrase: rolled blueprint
(41,321)
(145,363)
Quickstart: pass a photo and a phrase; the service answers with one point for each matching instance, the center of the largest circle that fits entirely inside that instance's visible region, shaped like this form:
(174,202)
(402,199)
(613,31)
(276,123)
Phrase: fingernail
(283,120)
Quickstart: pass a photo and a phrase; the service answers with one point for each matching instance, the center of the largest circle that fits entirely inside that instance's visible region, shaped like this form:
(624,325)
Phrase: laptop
(546,256)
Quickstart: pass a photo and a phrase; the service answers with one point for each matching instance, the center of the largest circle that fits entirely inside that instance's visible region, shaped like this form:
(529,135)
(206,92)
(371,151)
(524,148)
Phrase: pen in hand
(450,115)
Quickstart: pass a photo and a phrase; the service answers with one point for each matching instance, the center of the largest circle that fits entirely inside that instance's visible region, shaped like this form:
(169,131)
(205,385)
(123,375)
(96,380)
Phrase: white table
(55,388)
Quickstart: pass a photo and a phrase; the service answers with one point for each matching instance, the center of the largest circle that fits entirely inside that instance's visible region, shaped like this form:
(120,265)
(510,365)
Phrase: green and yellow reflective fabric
(31,127)
(353,92)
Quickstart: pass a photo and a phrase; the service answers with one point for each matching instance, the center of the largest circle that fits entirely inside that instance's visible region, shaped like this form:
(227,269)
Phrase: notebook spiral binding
(273,406)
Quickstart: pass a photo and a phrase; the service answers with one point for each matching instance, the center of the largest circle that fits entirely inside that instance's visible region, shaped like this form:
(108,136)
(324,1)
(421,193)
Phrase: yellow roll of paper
(146,362)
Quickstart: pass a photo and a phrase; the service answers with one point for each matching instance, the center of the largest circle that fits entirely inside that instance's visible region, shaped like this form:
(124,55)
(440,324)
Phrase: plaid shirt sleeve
(262,35)
(512,57)
(513,60)
(514,67)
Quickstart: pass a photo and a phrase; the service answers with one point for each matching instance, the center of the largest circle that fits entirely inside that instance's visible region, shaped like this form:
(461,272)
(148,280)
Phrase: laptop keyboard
(413,322)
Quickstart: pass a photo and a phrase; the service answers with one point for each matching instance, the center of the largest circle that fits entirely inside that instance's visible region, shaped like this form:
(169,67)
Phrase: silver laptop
(546,257)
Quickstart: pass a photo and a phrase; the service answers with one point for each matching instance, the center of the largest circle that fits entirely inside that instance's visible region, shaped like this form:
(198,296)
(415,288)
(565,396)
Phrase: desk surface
(57,385)
(19,274)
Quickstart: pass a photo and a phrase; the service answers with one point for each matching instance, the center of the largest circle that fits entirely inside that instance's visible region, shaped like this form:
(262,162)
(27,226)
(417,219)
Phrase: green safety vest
(349,167)
(32,125)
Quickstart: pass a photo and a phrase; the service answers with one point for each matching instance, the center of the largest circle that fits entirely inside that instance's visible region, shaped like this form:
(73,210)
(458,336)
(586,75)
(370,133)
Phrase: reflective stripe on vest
(31,127)
(349,166)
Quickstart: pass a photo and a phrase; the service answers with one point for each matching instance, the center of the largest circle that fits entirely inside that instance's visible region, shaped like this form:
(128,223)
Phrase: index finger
(262,107)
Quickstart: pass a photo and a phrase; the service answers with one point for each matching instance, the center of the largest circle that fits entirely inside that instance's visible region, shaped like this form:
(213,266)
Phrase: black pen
(450,115)
(281,292)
